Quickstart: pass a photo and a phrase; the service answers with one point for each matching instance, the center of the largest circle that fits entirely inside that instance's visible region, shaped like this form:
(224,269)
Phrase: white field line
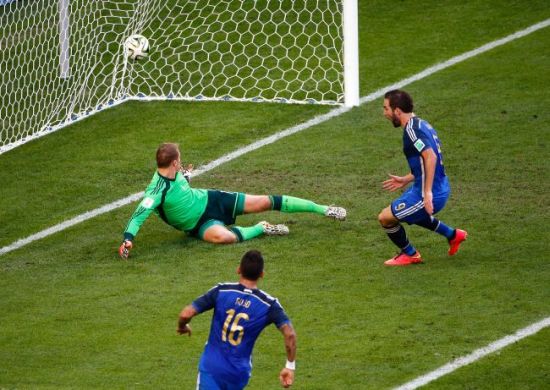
(277,136)
(476,355)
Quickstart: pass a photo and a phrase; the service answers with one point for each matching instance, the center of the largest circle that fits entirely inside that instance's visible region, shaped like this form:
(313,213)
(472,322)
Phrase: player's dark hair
(400,99)
(252,265)
(166,153)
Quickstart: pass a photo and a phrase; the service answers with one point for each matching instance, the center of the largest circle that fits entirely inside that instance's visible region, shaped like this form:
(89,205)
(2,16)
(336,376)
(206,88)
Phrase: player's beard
(395,121)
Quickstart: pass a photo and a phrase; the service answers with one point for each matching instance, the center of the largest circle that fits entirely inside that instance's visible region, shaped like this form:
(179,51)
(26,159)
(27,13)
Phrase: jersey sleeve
(419,137)
(206,301)
(277,315)
(150,201)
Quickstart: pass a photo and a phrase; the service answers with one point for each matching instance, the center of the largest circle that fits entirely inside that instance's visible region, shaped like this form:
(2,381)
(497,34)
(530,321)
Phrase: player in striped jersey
(208,214)
(430,187)
(241,312)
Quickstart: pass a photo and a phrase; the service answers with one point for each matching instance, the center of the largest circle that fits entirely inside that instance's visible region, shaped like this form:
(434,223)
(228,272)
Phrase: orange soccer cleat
(454,244)
(404,259)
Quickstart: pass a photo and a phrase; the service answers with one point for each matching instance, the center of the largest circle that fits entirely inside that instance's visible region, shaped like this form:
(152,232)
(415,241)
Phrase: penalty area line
(277,136)
(476,355)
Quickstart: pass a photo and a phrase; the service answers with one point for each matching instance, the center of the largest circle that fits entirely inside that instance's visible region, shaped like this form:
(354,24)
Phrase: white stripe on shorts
(410,210)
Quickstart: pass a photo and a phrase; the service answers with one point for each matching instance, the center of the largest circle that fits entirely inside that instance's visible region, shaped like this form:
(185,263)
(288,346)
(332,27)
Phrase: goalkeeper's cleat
(274,230)
(454,243)
(404,259)
(336,212)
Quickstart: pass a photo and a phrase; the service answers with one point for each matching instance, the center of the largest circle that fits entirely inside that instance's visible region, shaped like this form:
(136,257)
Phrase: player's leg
(454,236)
(217,233)
(221,211)
(290,204)
(397,234)
(263,227)
(256,204)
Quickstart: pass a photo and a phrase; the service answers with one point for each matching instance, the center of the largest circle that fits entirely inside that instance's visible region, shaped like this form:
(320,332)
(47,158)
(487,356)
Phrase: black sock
(399,237)
(437,226)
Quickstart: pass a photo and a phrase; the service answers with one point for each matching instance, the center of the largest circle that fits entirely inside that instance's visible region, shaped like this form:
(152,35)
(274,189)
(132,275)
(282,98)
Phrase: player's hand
(187,171)
(184,329)
(286,377)
(124,249)
(394,183)
(428,202)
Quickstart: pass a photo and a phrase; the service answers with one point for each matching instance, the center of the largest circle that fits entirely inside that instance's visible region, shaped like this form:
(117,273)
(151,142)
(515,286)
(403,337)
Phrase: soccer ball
(136,47)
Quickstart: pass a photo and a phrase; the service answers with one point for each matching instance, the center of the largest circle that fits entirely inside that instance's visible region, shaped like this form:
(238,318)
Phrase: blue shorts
(409,207)
(205,381)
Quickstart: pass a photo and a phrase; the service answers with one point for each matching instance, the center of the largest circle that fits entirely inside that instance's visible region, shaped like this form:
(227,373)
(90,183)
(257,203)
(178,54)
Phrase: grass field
(74,316)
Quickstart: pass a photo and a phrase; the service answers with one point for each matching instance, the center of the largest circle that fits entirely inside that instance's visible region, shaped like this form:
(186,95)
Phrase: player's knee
(385,220)
(222,237)
(381,218)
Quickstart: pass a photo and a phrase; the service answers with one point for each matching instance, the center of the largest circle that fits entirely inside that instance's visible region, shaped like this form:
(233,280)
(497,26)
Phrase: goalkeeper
(208,214)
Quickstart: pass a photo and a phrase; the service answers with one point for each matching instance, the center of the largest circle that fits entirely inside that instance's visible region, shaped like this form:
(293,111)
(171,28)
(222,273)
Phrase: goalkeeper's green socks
(247,233)
(290,204)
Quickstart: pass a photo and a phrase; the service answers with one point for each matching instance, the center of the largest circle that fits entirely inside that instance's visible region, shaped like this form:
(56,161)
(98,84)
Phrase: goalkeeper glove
(124,249)
(187,172)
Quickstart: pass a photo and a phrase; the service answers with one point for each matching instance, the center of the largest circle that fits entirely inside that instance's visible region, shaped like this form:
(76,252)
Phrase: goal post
(64,39)
(63,60)
(351,53)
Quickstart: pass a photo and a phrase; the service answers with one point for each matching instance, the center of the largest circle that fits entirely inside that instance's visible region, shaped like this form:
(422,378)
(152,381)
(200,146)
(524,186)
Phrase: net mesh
(252,50)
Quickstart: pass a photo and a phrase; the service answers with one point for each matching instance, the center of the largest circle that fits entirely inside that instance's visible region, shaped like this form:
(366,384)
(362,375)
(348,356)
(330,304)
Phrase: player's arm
(430,159)
(286,376)
(186,315)
(396,182)
(201,304)
(147,205)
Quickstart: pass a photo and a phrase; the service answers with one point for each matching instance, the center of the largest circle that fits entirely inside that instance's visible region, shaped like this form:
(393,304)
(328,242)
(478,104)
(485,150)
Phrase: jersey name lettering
(242,302)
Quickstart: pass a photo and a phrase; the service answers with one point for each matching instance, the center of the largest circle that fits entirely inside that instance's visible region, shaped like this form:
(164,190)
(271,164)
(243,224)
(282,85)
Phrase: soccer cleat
(336,212)
(454,243)
(404,259)
(274,230)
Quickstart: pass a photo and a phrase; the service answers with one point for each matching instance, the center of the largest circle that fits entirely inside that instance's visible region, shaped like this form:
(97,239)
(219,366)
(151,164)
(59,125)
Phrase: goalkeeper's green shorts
(222,208)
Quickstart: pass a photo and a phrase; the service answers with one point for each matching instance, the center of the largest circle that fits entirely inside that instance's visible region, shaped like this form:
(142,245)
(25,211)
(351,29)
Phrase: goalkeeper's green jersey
(173,200)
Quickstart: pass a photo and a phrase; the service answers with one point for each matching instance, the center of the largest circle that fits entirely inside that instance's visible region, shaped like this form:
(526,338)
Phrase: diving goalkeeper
(209,214)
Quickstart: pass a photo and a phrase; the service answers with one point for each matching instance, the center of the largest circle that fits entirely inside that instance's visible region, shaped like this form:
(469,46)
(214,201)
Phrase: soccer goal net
(63,60)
